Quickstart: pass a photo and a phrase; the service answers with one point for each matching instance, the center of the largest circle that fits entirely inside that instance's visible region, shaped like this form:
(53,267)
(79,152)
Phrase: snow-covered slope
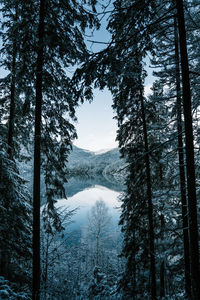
(86,162)
(79,155)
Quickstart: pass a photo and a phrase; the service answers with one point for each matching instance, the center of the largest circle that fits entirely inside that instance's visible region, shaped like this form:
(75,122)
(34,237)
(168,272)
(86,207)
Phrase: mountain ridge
(85,162)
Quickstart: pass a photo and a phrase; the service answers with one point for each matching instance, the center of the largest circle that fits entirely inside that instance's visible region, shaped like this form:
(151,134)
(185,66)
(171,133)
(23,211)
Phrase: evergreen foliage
(15,228)
(49,72)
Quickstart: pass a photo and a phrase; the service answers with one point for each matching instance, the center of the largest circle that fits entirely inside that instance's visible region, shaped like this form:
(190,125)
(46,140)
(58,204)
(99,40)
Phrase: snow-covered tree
(15,225)
(98,228)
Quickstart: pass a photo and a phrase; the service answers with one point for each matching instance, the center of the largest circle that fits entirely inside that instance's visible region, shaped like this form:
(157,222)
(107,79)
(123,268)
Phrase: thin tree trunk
(12,93)
(97,249)
(162,237)
(182,169)
(12,104)
(46,267)
(190,166)
(5,257)
(36,179)
(162,280)
(134,268)
(150,205)
(162,265)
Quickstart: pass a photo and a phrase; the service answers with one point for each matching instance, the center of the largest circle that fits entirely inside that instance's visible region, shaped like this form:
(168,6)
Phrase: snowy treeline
(48,70)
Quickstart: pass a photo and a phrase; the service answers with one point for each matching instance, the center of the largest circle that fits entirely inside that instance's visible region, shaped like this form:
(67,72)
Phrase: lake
(83,192)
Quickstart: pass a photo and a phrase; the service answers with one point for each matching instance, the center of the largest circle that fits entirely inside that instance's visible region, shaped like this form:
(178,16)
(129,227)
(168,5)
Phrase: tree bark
(12,92)
(150,205)
(162,280)
(12,104)
(182,169)
(134,268)
(36,179)
(190,166)
(5,256)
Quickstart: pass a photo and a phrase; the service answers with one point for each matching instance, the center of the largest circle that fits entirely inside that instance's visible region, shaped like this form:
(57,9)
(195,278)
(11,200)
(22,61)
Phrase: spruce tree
(36,182)
(15,226)
(63,45)
(112,67)
(168,62)
(60,45)
(191,182)
(15,200)
(181,168)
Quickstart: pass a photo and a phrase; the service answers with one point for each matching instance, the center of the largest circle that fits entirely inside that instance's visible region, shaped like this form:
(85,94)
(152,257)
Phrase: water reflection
(84,192)
(77,184)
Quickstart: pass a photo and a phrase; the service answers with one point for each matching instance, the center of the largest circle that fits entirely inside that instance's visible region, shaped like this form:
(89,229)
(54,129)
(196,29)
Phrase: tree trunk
(97,249)
(190,166)
(182,169)
(46,254)
(5,256)
(12,93)
(162,280)
(36,179)
(12,104)
(134,268)
(150,205)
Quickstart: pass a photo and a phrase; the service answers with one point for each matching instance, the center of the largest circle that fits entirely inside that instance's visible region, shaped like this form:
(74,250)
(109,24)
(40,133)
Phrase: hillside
(83,162)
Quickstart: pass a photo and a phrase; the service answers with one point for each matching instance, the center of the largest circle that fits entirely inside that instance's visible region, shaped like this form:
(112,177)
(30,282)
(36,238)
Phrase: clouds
(98,141)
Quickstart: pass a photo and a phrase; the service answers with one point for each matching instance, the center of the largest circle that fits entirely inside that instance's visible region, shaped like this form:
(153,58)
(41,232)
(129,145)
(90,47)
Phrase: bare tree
(98,227)
(54,246)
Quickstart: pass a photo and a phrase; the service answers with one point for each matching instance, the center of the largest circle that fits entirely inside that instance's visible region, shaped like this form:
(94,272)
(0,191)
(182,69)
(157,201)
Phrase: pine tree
(191,183)
(15,226)
(16,53)
(112,67)
(63,46)
(149,196)
(52,89)
(182,169)
(168,61)
(16,199)
(36,180)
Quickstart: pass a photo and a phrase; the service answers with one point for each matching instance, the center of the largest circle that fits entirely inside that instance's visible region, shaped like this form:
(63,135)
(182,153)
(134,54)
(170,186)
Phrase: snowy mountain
(78,155)
(102,151)
(82,161)
(85,156)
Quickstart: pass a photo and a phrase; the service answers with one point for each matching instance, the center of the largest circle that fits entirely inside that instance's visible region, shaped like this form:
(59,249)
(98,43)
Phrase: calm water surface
(83,193)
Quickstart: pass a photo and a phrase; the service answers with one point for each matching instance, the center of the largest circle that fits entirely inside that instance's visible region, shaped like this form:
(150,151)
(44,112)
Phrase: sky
(96,128)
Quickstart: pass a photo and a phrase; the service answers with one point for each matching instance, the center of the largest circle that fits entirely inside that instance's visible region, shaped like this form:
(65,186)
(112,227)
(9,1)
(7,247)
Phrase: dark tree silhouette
(36,179)
(149,199)
(190,166)
(182,168)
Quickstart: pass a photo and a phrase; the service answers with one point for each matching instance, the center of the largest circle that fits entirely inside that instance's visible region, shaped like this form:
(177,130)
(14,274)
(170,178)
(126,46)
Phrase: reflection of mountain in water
(78,183)
(85,170)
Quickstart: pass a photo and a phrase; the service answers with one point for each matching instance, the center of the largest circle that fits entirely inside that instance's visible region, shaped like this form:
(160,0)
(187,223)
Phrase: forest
(48,69)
